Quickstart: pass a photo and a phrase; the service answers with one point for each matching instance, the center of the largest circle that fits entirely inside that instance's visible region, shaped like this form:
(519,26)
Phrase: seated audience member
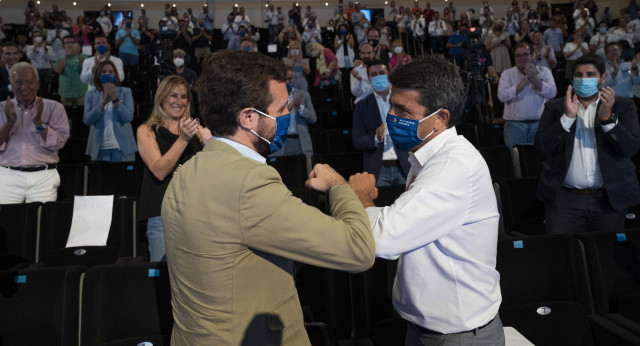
(622,75)
(108,109)
(166,141)
(181,69)
(302,114)
(298,64)
(11,54)
(327,71)
(127,40)
(380,157)
(69,67)
(588,180)
(543,55)
(399,58)
(311,33)
(524,89)
(40,56)
(343,43)
(359,79)
(54,39)
(32,130)
(103,52)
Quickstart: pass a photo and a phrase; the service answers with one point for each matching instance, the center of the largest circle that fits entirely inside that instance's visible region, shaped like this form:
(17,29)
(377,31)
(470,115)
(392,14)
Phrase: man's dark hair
(437,82)
(609,44)
(99,35)
(522,44)
(591,59)
(375,62)
(9,44)
(231,81)
(373,28)
(70,37)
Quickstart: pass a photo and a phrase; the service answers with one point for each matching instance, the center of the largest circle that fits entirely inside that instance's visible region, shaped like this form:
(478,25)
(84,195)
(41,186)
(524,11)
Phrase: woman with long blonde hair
(166,141)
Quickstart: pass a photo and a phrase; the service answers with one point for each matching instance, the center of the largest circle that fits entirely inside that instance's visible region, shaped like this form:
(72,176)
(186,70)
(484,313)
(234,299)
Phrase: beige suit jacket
(232,232)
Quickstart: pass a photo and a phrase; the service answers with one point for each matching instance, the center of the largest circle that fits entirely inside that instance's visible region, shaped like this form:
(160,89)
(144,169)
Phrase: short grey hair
(20,65)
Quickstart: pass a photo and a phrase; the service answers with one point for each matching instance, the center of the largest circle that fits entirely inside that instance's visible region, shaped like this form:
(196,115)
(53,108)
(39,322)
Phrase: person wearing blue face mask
(103,53)
(380,156)
(311,33)
(54,38)
(599,40)
(444,227)
(232,229)
(108,109)
(302,114)
(588,180)
(343,44)
(127,40)
(229,31)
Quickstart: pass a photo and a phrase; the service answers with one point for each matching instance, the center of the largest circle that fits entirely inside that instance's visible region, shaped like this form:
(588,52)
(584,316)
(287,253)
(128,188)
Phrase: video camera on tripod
(474,58)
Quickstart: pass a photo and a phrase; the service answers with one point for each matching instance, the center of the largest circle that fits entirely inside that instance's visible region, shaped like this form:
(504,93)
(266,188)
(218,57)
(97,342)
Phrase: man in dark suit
(388,164)
(10,55)
(588,181)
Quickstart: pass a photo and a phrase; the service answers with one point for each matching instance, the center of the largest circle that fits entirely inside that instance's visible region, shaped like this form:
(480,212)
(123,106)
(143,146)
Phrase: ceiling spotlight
(109,4)
(236,5)
(38,2)
(174,5)
(74,3)
(385,2)
(266,5)
(141,5)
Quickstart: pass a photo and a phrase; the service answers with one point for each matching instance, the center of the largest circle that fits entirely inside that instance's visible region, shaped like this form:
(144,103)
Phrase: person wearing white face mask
(181,70)
(41,56)
(399,58)
(588,181)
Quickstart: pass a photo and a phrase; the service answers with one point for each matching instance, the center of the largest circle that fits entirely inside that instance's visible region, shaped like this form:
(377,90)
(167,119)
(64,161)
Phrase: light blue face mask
(380,82)
(585,87)
(404,132)
(282,125)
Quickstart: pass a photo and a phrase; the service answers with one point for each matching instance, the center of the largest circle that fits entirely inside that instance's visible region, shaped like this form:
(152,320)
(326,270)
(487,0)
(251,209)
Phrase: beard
(261,146)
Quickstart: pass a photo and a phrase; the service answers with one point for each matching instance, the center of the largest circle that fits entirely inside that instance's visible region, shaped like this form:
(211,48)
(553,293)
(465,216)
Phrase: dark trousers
(581,211)
(491,334)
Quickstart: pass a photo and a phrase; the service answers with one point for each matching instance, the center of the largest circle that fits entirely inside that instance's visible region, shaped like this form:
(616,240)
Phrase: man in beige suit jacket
(233,230)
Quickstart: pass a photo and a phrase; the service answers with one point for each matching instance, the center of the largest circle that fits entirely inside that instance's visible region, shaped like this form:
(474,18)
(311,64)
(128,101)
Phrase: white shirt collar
(242,149)
(424,154)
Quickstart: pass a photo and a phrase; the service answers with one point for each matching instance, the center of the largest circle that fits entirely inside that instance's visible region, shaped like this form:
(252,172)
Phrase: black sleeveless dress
(153,189)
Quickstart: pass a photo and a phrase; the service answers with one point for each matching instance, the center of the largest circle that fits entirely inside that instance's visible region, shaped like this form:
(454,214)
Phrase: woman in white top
(343,44)
(572,51)
(108,109)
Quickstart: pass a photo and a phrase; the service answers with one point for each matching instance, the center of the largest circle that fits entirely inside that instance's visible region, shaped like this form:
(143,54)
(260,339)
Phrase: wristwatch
(42,127)
(115,100)
(611,120)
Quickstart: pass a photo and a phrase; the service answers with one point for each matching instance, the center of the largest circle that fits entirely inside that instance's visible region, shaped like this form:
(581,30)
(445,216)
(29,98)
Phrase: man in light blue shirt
(207,17)
(127,39)
(622,76)
(553,37)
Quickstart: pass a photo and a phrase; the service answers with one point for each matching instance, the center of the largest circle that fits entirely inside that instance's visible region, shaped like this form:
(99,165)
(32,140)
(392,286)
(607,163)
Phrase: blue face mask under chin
(282,125)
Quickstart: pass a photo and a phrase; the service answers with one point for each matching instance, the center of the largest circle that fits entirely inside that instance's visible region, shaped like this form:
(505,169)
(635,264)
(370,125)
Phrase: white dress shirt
(242,149)
(584,169)
(360,88)
(578,53)
(529,103)
(437,28)
(600,40)
(444,228)
(389,153)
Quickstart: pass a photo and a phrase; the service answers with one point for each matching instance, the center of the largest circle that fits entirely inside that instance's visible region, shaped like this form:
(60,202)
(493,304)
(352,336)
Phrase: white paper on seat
(91,220)
(514,338)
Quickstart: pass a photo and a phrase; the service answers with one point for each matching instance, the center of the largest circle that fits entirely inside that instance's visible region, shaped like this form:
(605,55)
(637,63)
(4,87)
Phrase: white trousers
(21,187)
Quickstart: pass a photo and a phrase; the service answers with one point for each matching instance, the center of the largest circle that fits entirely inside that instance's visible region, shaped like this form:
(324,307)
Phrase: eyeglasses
(524,55)
(20,83)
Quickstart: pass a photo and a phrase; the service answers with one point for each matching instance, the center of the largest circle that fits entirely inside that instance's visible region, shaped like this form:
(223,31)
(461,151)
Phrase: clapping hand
(188,128)
(570,104)
(607,99)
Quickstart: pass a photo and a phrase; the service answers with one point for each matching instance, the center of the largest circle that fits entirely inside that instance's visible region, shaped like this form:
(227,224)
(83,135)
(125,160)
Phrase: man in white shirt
(271,21)
(438,32)
(585,22)
(360,85)
(242,19)
(103,52)
(444,227)
(588,181)
(105,23)
(597,42)
(54,38)
(524,89)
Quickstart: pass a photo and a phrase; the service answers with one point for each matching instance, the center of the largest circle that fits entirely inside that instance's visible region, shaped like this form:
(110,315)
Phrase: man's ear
(246,117)
(444,116)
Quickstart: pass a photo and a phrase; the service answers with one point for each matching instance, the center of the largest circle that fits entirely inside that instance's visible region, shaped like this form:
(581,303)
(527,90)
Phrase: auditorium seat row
(556,290)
